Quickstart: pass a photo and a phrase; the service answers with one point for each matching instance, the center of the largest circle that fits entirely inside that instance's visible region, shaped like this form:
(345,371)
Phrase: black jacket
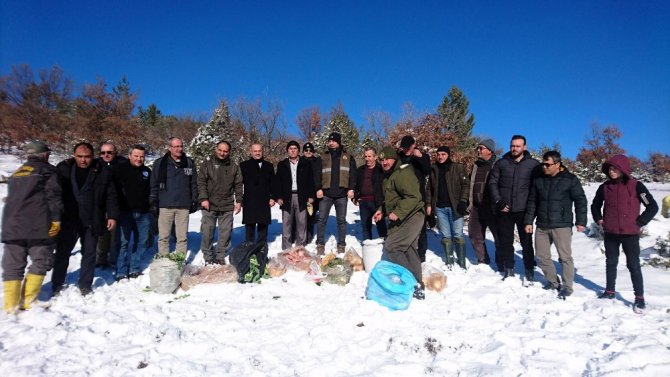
(510,181)
(422,171)
(133,186)
(377,187)
(283,183)
(181,184)
(102,201)
(257,191)
(33,202)
(551,200)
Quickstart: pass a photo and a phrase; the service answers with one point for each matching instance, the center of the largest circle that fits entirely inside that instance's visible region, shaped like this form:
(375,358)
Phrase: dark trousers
(312,220)
(257,231)
(340,214)
(423,241)
(482,218)
(368,209)
(15,258)
(631,247)
(67,238)
(402,243)
(505,223)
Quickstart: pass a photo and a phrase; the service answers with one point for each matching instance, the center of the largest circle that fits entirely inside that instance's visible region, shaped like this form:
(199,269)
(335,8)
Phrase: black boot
(530,275)
(460,253)
(447,245)
(509,273)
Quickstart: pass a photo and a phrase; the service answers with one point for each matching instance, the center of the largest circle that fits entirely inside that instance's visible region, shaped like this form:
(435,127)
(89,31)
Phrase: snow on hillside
(478,326)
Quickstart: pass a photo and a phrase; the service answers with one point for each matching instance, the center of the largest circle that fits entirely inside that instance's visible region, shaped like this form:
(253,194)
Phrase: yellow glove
(55,228)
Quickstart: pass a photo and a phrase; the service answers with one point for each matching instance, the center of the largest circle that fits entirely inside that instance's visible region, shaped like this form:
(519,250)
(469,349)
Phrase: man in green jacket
(219,187)
(550,200)
(405,211)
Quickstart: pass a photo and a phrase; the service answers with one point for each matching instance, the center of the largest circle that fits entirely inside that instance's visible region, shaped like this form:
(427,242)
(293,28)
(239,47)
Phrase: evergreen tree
(457,119)
(209,134)
(339,122)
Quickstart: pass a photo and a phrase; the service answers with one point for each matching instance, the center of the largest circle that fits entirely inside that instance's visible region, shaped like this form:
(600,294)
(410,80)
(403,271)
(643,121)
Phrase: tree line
(51,107)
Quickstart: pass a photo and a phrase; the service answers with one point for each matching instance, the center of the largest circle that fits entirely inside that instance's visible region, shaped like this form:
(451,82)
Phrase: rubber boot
(12,295)
(460,253)
(31,288)
(448,251)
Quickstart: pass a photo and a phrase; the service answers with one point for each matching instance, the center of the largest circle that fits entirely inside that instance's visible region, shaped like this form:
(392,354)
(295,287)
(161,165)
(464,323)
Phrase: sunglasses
(106,152)
(546,164)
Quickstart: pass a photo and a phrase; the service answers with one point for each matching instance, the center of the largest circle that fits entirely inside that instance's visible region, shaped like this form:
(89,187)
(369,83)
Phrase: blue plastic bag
(390,285)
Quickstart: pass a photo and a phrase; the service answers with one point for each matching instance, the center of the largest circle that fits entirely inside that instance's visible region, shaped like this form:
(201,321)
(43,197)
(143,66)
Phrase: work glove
(462,207)
(153,208)
(54,229)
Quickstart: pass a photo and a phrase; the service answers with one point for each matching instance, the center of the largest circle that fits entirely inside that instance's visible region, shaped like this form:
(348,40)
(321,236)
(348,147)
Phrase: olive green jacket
(402,195)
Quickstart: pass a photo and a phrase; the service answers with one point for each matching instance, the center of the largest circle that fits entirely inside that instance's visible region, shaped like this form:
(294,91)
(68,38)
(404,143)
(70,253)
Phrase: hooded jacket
(622,198)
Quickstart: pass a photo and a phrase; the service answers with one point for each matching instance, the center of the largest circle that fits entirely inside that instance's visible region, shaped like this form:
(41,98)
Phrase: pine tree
(209,134)
(457,119)
(339,122)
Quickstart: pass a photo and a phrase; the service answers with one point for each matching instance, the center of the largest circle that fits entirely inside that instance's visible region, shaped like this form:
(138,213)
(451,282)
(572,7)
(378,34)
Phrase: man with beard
(335,187)
(132,181)
(509,185)
(257,177)
(174,194)
(90,208)
(219,186)
(294,190)
(405,211)
(481,213)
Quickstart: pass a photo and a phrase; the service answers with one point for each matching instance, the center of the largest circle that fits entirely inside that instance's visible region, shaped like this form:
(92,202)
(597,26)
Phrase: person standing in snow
(132,181)
(174,195)
(621,196)
(219,186)
(30,222)
(91,208)
(257,177)
(448,191)
(509,185)
(315,162)
(481,213)
(405,211)
(369,193)
(294,190)
(107,249)
(550,201)
(335,186)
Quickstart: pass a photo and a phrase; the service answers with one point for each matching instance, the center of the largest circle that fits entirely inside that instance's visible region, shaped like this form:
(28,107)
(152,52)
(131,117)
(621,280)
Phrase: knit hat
(444,148)
(36,147)
(406,142)
(388,152)
(489,144)
(335,137)
(308,147)
(293,143)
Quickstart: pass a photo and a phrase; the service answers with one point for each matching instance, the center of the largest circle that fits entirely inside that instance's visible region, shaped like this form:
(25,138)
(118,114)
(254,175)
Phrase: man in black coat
(509,185)
(107,248)
(369,193)
(309,155)
(257,177)
(91,208)
(550,201)
(294,189)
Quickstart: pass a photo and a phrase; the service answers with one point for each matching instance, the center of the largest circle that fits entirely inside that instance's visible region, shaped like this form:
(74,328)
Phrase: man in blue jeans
(449,199)
(132,182)
(337,179)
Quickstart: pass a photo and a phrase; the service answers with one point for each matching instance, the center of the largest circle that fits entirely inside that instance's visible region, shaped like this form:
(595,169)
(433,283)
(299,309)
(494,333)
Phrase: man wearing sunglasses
(550,202)
(107,249)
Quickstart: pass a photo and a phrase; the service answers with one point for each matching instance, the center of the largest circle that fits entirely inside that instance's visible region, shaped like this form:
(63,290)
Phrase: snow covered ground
(478,326)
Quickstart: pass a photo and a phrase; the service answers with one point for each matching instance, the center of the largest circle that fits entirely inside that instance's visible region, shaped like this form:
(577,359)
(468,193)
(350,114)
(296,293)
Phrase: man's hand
(529,229)
(319,194)
(429,210)
(581,228)
(600,222)
(417,153)
(111,224)
(350,194)
(377,216)
(205,205)
(272,203)
(462,207)
(393,217)
(54,229)
(238,208)
(502,206)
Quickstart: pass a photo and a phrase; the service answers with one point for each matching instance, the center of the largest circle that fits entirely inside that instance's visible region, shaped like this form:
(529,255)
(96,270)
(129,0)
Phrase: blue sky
(545,69)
